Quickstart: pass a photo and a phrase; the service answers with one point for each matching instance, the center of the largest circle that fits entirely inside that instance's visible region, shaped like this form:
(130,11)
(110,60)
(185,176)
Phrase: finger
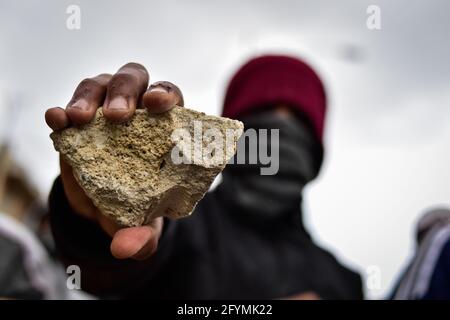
(162,96)
(88,96)
(56,118)
(136,242)
(124,91)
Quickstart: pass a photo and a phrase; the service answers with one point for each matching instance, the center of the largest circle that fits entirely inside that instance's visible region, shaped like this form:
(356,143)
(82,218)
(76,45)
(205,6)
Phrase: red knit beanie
(277,80)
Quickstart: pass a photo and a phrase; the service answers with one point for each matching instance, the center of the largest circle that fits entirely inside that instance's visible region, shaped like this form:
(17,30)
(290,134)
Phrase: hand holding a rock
(120,95)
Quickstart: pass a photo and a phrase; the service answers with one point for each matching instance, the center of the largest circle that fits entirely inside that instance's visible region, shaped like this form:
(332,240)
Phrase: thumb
(137,242)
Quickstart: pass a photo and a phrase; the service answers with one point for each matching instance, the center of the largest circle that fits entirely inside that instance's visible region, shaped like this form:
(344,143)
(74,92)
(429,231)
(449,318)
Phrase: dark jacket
(428,275)
(211,255)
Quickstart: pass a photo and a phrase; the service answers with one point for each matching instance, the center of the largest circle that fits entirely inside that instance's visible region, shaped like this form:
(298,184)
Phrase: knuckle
(124,83)
(86,87)
(88,83)
(122,78)
(137,70)
(103,75)
(133,64)
(102,79)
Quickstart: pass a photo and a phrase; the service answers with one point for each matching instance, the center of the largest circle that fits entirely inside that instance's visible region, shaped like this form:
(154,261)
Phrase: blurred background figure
(19,204)
(18,197)
(27,270)
(28,266)
(428,275)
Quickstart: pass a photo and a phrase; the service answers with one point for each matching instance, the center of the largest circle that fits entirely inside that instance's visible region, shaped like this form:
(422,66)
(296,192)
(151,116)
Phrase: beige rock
(132,171)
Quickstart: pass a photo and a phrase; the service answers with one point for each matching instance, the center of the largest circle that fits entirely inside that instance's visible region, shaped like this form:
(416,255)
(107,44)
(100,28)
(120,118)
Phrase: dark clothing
(439,287)
(213,254)
(27,271)
(14,280)
(428,276)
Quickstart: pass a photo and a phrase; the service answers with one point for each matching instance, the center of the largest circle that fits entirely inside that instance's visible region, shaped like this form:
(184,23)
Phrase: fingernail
(159,89)
(80,104)
(118,103)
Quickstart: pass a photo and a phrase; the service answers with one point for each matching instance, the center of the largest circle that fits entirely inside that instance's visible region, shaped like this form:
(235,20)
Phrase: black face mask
(273,196)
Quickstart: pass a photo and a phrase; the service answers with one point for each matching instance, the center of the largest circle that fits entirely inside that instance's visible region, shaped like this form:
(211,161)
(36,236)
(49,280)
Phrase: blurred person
(246,238)
(428,275)
(27,271)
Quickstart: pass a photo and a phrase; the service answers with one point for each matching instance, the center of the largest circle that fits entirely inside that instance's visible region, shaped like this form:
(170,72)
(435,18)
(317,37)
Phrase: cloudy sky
(387,134)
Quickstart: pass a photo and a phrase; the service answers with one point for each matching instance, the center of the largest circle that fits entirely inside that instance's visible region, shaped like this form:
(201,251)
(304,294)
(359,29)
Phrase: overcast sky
(387,135)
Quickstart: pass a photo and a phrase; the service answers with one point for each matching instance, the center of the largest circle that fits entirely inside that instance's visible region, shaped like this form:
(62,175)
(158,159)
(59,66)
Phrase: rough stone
(132,172)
